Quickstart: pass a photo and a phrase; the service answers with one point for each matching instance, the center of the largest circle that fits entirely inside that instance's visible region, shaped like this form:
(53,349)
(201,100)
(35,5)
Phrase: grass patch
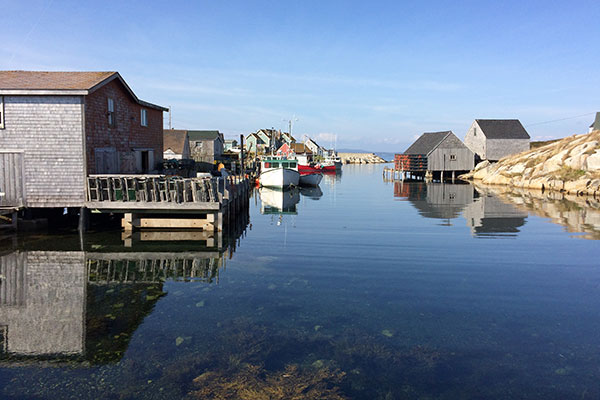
(569,174)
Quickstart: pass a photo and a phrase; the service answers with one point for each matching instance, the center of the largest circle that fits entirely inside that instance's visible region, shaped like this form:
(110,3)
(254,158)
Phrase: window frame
(1,112)
(452,157)
(112,121)
(143,117)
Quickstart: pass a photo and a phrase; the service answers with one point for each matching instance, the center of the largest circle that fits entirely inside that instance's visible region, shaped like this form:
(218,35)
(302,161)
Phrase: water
(364,289)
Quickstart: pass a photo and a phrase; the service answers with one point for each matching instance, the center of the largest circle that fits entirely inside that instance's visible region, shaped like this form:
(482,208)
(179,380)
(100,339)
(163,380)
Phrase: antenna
(170,125)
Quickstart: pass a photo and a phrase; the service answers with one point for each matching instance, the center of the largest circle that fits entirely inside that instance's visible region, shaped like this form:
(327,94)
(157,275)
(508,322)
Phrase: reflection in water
(313,192)
(278,201)
(485,214)
(436,200)
(577,214)
(496,211)
(488,216)
(84,304)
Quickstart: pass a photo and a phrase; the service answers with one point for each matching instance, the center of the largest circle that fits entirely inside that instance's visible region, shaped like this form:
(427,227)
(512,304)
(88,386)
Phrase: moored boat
(316,168)
(279,173)
(310,179)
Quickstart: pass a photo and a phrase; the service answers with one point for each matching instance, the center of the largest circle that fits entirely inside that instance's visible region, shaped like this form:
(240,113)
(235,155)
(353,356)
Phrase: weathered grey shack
(206,146)
(493,139)
(435,153)
(56,128)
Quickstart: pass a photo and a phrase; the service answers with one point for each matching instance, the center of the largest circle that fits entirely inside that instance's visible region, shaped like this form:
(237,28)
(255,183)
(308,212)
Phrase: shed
(435,152)
(206,146)
(176,145)
(595,126)
(493,139)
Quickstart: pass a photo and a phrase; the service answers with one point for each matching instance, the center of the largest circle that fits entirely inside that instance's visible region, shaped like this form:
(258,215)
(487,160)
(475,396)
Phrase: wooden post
(15,220)
(453,173)
(442,176)
(84,219)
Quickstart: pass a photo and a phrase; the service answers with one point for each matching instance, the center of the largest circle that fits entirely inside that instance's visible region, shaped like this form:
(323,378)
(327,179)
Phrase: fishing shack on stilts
(434,156)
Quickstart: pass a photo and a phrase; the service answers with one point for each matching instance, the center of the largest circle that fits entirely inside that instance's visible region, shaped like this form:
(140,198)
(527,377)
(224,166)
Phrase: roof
(596,124)
(76,83)
(204,135)
(502,128)
(300,148)
(427,142)
(174,139)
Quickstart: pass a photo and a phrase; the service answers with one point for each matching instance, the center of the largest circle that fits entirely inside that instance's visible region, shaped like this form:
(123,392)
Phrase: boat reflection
(314,193)
(277,201)
(82,303)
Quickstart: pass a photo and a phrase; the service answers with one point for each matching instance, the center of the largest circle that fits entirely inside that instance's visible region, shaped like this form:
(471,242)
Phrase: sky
(370,75)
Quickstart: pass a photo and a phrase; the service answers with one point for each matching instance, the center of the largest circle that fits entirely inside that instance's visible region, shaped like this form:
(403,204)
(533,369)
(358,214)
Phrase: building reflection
(83,302)
(486,214)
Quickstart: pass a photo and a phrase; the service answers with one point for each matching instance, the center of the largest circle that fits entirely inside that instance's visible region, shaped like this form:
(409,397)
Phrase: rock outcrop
(360,158)
(571,165)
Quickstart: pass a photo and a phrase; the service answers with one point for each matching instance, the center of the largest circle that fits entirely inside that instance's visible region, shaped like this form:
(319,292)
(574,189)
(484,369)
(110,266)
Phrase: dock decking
(162,202)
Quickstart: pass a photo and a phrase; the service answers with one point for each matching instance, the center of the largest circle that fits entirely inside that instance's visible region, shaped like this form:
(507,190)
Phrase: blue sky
(374,74)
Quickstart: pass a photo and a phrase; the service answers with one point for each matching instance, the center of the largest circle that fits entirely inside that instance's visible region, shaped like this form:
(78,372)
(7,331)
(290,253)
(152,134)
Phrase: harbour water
(362,289)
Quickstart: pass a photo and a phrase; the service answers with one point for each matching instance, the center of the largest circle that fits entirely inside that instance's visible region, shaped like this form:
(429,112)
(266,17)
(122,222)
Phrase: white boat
(311,179)
(333,160)
(278,173)
(278,201)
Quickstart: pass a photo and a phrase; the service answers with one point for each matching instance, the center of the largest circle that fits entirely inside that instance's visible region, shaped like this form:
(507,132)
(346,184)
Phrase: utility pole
(170,125)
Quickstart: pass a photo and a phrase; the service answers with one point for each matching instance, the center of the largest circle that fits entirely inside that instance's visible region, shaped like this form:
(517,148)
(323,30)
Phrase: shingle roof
(174,139)
(45,80)
(502,128)
(300,148)
(427,142)
(596,124)
(203,135)
(63,82)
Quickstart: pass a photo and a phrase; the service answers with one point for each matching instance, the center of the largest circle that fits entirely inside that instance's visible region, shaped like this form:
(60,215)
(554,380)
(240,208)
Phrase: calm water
(363,289)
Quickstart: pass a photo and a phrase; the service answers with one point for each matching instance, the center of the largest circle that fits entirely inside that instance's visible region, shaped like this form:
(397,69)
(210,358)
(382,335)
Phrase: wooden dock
(161,202)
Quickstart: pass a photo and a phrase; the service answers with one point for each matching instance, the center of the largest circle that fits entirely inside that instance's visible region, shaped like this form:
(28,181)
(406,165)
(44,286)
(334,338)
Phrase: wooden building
(206,146)
(176,145)
(595,126)
(435,153)
(56,128)
(493,139)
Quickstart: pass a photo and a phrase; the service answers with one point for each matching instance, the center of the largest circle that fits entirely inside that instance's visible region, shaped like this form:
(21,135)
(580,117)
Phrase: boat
(311,168)
(278,172)
(278,201)
(310,179)
(336,161)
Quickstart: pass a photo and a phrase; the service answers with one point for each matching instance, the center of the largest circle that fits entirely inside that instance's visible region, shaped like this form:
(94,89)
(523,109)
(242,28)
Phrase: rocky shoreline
(571,166)
(361,158)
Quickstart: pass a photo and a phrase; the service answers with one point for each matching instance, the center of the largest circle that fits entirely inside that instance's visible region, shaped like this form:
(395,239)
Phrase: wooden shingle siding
(48,130)
(12,179)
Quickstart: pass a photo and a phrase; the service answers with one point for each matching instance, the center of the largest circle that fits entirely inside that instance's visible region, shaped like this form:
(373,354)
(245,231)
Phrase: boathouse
(59,127)
(433,154)
(493,139)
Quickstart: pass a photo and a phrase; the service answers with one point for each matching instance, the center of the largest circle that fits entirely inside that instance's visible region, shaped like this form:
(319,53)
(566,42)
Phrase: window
(452,157)
(474,131)
(111,113)
(1,112)
(198,145)
(144,117)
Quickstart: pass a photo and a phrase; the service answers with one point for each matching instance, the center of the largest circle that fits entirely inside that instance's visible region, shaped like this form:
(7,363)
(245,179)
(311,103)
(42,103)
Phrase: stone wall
(360,158)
